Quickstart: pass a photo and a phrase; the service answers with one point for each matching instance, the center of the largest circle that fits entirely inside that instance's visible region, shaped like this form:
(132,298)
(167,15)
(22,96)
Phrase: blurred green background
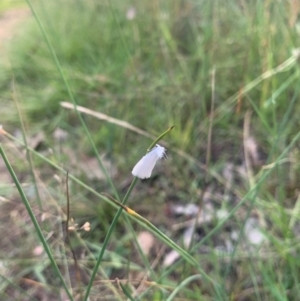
(150,63)
(226,73)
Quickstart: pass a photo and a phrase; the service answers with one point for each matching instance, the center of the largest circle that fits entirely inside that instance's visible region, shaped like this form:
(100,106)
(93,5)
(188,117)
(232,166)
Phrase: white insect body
(143,169)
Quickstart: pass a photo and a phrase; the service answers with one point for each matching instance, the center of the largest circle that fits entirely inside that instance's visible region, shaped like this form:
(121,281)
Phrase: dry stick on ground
(107,118)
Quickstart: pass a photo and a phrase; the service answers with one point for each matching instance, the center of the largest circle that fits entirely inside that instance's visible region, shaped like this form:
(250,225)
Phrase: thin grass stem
(35,223)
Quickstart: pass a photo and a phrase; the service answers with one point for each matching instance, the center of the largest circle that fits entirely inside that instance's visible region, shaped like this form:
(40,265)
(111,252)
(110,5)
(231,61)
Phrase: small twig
(107,118)
(137,130)
(77,270)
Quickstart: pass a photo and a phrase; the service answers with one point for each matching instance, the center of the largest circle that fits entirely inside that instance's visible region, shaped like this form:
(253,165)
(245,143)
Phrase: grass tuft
(226,73)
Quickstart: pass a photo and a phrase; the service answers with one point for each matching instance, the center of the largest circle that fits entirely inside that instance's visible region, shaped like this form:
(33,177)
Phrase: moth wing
(143,169)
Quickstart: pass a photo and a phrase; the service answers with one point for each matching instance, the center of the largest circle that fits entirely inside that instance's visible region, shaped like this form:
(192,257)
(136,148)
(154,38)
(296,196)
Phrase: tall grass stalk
(156,65)
(28,154)
(36,225)
(164,238)
(83,124)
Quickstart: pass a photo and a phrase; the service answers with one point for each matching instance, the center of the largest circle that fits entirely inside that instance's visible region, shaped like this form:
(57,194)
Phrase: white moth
(143,169)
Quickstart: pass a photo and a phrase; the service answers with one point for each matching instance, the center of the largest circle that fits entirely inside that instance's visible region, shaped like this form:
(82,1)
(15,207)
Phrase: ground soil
(9,22)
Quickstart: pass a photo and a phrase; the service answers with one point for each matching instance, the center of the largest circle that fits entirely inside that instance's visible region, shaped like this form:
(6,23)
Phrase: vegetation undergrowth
(219,219)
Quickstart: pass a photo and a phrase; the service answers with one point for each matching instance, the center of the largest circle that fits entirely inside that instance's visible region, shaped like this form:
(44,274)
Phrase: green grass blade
(183,284)
(106,240)
(36,190)
(164,238)
(58,66)
(126,291)
(113,224)
(160,137)
(15,286)
(35,223)
(244,199)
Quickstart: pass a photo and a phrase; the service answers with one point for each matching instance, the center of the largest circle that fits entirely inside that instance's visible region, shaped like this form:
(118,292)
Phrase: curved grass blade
(182,284)
(185,255)
(164,238)
(160,137)
(59,68)
(114,222)
(35,223)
